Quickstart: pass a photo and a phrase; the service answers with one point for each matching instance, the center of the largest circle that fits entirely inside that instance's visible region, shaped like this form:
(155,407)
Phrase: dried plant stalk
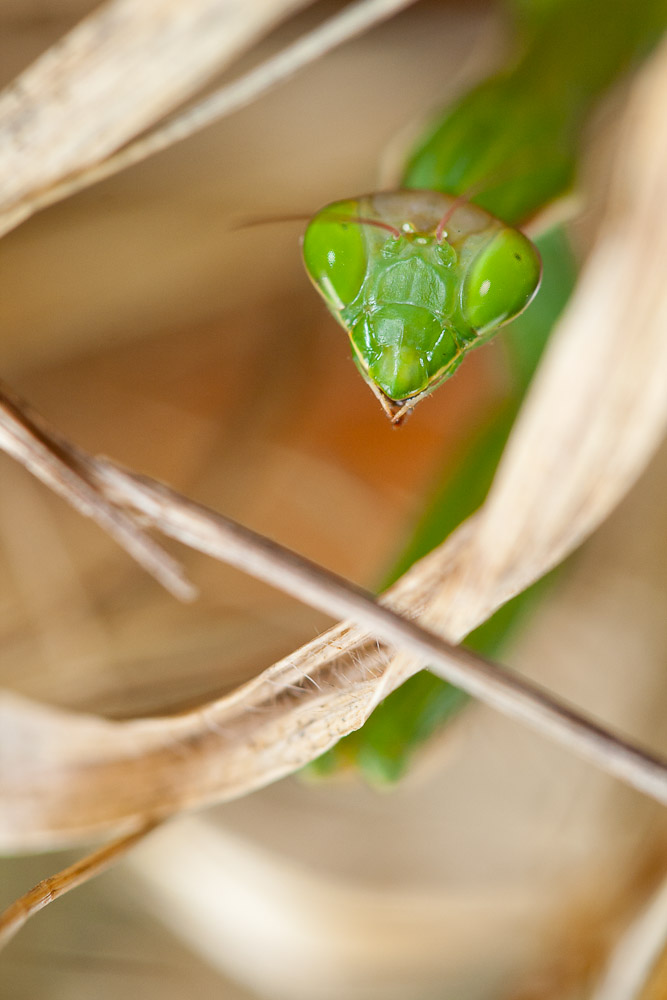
(594,416)
(51,888)
(67,119)
(339,28)
(114,75)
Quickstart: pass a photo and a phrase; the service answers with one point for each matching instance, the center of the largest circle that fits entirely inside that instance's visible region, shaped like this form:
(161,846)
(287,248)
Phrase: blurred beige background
(144,326)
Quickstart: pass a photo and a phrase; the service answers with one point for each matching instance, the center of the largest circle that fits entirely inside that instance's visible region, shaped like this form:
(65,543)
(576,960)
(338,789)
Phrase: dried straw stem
(65,122)
(49,889)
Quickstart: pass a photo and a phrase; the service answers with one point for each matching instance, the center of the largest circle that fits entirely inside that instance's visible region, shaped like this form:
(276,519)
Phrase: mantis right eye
(501,281)
(334,252)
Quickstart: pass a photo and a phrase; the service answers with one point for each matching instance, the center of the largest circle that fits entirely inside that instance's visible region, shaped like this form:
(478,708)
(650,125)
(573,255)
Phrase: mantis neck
(516,137)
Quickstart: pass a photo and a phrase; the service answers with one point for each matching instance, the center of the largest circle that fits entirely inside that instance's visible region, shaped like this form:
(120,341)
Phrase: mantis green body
(515,139)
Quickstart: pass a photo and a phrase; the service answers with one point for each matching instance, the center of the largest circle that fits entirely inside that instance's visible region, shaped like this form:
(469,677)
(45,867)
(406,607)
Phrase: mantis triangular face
(417,278)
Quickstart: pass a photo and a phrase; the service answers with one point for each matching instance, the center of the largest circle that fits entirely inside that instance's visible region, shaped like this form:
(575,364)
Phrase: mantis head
(417,278)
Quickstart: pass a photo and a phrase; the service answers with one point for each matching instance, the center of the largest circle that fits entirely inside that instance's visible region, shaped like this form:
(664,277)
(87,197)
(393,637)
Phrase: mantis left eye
(501,281)
(335,255)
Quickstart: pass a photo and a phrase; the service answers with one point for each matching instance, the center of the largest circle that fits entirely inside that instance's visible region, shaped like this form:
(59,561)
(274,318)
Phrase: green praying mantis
(422,275)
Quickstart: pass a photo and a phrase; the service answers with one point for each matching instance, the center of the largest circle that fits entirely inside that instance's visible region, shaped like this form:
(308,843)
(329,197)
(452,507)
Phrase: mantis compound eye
(334,252)
(501,280)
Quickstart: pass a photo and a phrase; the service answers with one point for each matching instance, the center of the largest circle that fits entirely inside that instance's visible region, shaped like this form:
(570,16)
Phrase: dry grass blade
(116,74)
(351,21)
(49,889)
(594,417)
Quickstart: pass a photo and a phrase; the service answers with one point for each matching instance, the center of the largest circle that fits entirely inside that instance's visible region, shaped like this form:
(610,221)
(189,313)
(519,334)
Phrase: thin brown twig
(15,916)
(207,531)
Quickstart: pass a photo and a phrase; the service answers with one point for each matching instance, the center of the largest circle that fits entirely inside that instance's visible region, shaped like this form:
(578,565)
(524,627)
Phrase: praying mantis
(420,276)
